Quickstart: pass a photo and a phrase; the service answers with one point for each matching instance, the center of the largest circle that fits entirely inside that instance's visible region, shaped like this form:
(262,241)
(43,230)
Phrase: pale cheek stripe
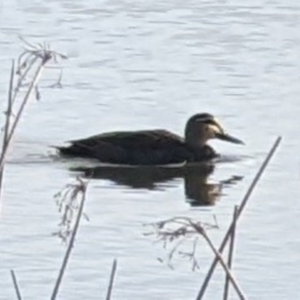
(216,129)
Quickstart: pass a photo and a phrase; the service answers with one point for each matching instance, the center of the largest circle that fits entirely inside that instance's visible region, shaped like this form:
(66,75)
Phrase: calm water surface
(139,65)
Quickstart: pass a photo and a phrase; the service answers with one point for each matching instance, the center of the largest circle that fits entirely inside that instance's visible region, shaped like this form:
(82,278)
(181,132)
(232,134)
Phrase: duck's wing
(146,139)
(128,147)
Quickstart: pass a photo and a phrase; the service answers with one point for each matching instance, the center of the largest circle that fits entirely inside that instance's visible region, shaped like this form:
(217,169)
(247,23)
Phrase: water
(147,65)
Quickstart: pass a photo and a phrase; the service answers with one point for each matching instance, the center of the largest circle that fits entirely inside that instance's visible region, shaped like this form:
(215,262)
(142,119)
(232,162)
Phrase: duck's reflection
(198,191)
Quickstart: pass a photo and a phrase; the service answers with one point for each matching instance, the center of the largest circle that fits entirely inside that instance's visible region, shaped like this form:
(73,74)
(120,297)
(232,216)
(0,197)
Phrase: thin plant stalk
(27,60)
(32,86)
(111,280)
(230,253)
(219,257)
(22,78)
(8,114)
(16,286)
(71,242)
(242,206)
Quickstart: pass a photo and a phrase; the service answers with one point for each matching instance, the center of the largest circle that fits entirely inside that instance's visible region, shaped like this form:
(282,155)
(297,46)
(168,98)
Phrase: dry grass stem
(111,280)
(181,228)
(178,231)
(76,190)
(230,252)
(202,231)
(228,272)
(30,66)
(242,206)
(16,286)
(8,114)
(68,204)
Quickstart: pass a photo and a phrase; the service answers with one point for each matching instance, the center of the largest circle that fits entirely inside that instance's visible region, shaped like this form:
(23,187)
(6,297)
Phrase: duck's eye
(207,128)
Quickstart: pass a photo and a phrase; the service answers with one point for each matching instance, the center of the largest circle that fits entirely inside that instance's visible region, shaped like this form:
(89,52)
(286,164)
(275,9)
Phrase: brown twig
(68,205)
(187,228)
(192,255)
(230,252)
(37,54)
(20,111)
(79,189)
(111,280)
(219,257)
(16,286)
(8,114)
(242,206)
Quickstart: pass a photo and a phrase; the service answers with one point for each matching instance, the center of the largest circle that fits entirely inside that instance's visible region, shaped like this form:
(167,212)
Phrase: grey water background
(133,65)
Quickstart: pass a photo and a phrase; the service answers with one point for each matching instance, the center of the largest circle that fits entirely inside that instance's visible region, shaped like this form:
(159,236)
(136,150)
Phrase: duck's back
(135,139)
(147,147)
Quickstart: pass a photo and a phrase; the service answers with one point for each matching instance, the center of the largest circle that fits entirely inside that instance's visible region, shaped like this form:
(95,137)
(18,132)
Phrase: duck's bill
(228,138)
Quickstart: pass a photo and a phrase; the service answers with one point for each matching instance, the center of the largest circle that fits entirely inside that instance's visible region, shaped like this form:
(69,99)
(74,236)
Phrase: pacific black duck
(153,147)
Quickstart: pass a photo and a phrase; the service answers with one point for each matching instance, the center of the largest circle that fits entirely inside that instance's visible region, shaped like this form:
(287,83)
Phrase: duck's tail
(72,150)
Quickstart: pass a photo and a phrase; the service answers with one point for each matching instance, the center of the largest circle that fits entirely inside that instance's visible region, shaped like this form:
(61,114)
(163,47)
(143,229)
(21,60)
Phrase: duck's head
(202,127)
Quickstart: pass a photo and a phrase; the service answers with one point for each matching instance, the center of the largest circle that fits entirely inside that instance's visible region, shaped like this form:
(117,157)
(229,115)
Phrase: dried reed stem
(7,116)
(111,280)
(222,262)
(32,86)
(16,286)
(37,56)
(242,206)
(230,252)
(187,227)
(81,188)
(22,77)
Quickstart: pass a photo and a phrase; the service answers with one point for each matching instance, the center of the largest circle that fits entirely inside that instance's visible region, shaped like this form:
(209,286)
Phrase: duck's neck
(193,139)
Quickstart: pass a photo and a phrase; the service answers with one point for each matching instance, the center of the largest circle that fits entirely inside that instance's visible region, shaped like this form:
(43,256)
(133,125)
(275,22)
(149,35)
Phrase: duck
(154,146)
